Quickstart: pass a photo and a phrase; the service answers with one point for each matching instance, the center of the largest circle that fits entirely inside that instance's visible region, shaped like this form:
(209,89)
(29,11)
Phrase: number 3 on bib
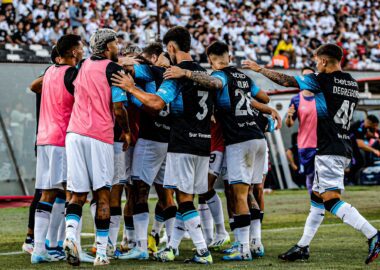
(344,115)
(202,104)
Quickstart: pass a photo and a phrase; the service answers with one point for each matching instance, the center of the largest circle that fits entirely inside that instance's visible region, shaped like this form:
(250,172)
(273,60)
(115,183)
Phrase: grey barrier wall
(18,110)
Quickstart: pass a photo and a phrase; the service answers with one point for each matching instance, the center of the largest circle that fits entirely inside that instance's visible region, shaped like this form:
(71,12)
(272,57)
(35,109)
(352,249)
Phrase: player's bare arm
(126,82)
(262,97)
(121,116)
(277,77)
(289,117)
(36,85)
(267,110)
(201,78)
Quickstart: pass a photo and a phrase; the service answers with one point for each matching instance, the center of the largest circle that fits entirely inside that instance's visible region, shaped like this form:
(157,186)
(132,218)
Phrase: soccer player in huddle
(189,144)
(245,143)
(90,138)
(336,95)
(51,174)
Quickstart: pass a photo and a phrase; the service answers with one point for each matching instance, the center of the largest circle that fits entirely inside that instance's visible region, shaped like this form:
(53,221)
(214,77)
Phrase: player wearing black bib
(245,143)
(189,144)
(336,95)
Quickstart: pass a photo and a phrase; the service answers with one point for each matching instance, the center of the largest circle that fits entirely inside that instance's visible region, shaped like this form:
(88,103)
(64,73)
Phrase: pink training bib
(92,112)
(307,116)
(56,107)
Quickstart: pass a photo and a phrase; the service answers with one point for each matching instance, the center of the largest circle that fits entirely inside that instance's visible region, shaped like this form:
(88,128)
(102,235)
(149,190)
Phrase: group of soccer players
(176,128)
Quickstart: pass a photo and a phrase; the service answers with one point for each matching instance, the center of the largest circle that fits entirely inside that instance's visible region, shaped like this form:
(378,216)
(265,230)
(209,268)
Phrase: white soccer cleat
(220,243)
(101,259)
(40,258)
(84,257)
(28,248)
(72,252)
(164,238)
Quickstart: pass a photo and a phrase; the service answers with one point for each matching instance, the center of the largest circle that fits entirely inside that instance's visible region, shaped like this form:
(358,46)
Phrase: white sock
(158,223)
(78,237)
(57,215)
(141,223)
(243,233)
(41,226)
(114,228)
(192,223)
(178,232)
(216,209)
(255,231)
(207,222)
(61,233)
(101,241)
(313,221)
(234,229)
(169,225)
(349,215)
(72,224)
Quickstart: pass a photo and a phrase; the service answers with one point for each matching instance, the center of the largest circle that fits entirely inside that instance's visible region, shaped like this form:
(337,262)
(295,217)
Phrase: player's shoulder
(191,65)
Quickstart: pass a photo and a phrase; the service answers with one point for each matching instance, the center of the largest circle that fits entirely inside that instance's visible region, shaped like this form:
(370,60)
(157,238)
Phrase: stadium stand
(254,29)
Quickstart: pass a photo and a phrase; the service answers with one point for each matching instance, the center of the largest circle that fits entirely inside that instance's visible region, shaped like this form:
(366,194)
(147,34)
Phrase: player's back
(191,115)
(92,114)
(56,107)
(335,111)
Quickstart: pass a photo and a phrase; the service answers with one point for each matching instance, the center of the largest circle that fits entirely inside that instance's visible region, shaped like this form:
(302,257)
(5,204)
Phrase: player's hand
(174,72)
(376,152)
(291,111)
(294,167)
(126,138)
(276,116)
(163,61)
(128,61)
(122,80)
(249,64)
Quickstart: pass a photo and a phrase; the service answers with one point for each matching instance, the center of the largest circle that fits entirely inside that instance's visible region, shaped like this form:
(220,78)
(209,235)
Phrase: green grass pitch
(336,245)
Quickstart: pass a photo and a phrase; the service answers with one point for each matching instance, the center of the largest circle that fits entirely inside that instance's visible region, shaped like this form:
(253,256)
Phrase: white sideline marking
(265,230)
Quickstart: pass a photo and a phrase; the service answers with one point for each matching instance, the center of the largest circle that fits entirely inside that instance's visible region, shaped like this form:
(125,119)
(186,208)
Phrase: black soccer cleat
(295,253)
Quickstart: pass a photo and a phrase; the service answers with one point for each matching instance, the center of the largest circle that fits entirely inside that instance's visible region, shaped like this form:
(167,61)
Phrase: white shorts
(329,173)
(51,171)
(266,164)
(149,159)
(121,164)
(187,173)
(90,163)
(216,162)
(245,161)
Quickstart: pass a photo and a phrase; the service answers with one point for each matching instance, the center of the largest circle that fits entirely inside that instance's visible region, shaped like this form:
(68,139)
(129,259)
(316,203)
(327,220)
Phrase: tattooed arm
(277,77)
(201,78)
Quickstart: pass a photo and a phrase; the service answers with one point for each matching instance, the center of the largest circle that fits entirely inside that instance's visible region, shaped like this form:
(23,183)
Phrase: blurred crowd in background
(281,33)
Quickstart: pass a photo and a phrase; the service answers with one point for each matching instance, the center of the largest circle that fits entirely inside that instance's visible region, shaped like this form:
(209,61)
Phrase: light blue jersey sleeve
(118,94)
(254,89)
(169,90)
(221,76)
(143,72)
(308,82)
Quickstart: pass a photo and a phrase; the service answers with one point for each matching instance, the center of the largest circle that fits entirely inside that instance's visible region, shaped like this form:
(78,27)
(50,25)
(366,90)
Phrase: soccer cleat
(84,257)
(28,247)
(72,252)
(373,248)
(206,258)
(238,256)
(295,253)
(101,259)
(165,255)
(134,254)
(40,258)
(232,249)
(153,242)
(56,254)
(257,250)
(127,246)
(220,243)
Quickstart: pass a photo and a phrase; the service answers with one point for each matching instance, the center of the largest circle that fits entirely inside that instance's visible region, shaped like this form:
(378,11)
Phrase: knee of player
(48,196)
(78,198)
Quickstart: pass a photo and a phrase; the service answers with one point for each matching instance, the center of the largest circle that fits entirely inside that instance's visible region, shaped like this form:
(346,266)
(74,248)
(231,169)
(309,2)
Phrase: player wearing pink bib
(90,138)
(56,106)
